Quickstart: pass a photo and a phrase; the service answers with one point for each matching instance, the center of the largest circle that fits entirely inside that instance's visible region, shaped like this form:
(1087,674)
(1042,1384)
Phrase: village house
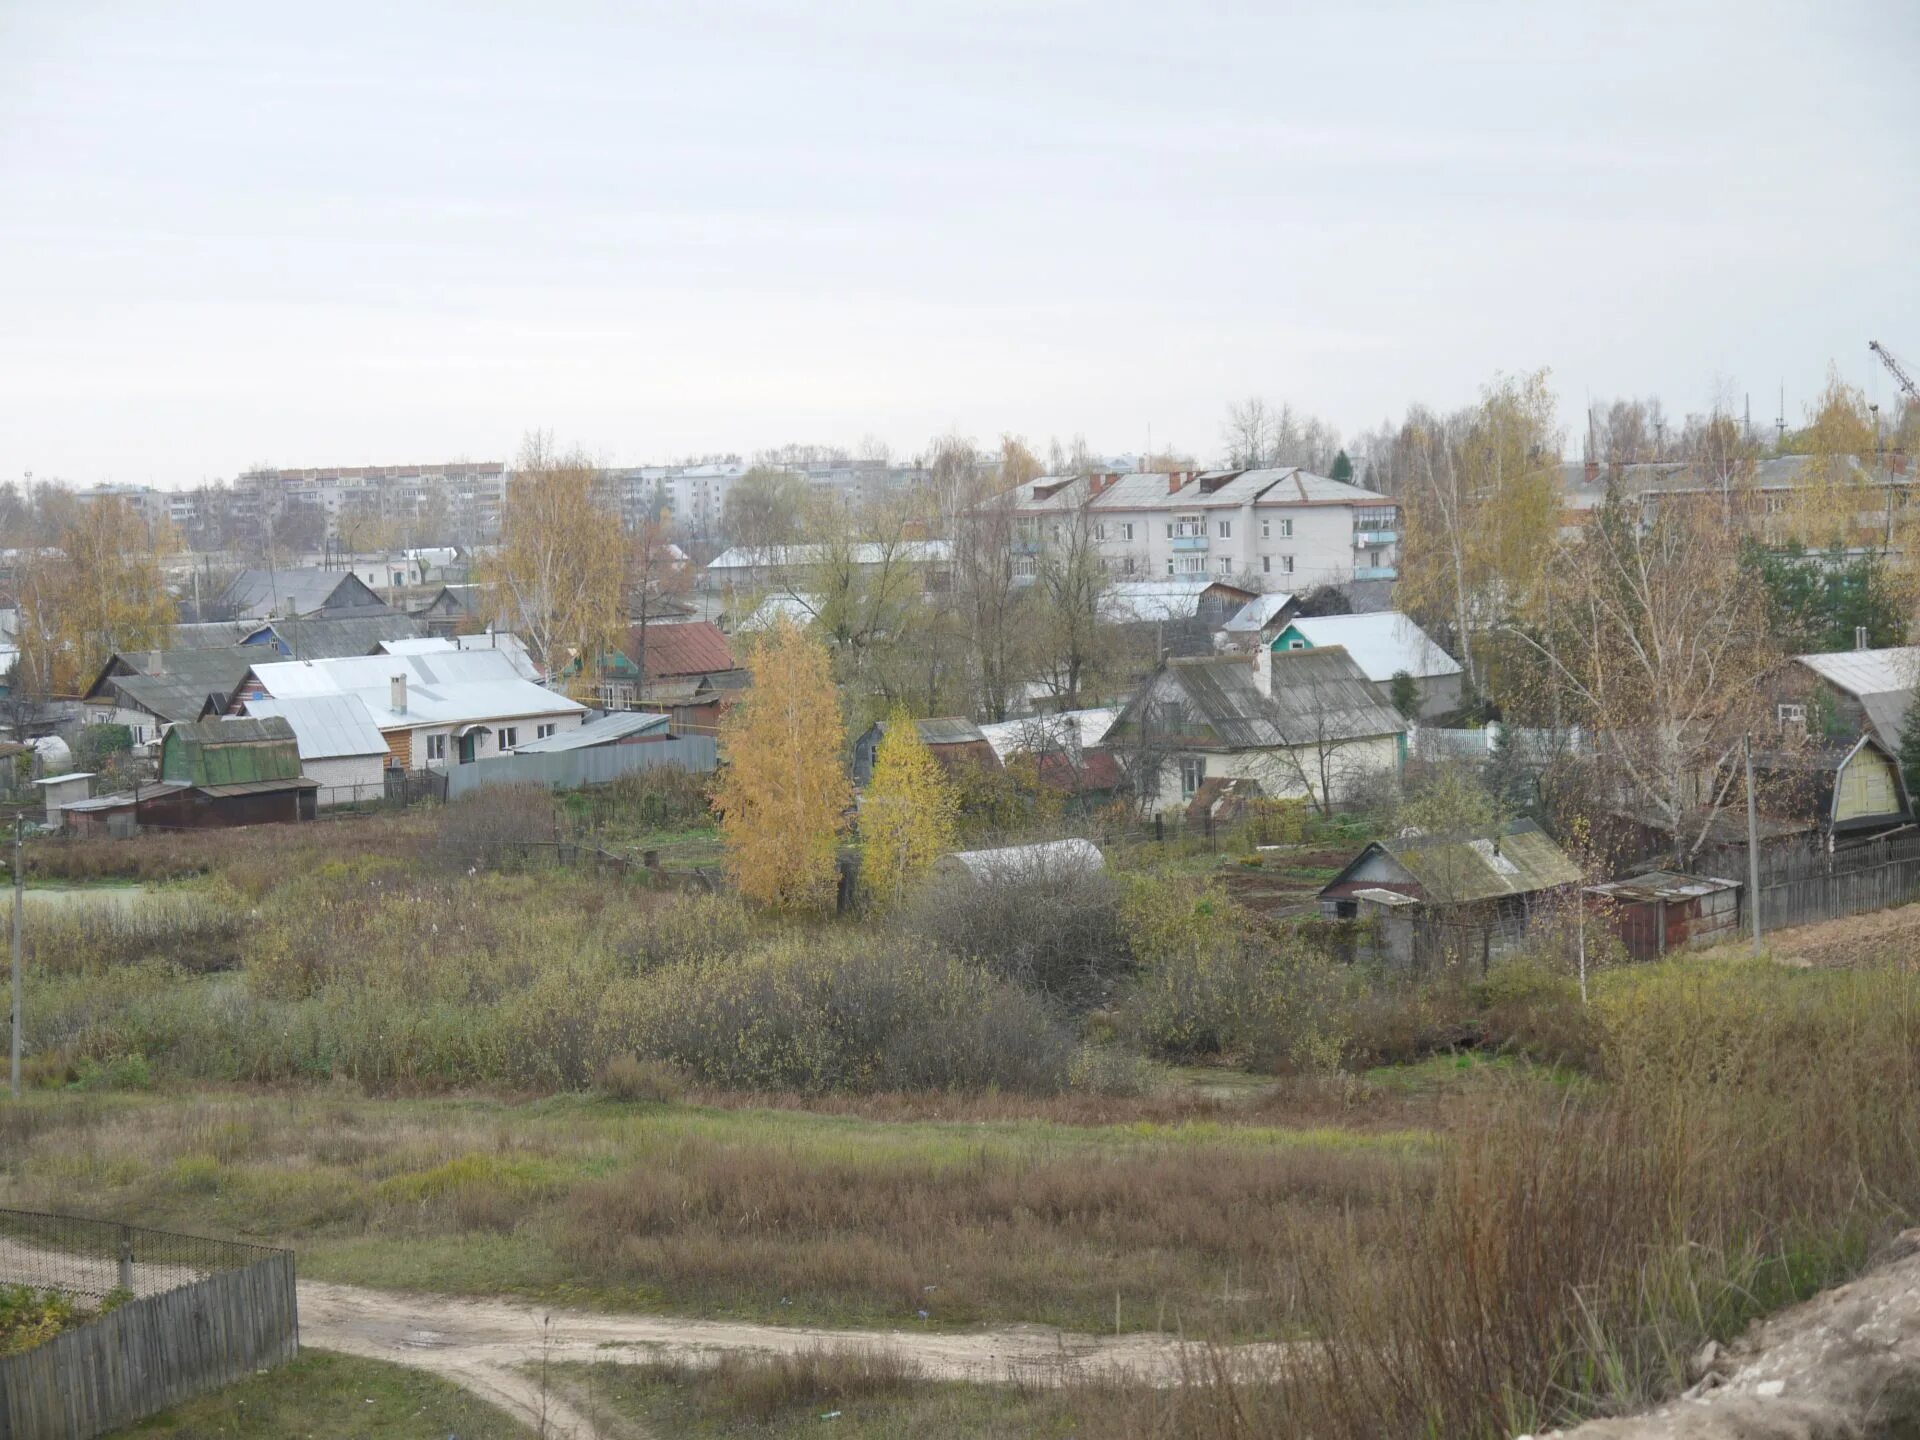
(1835,697)
(294,592)
(1299,724)
(686,671)
(622,727)
(1383,645)
(1432,899)
(954,741)
(433,711)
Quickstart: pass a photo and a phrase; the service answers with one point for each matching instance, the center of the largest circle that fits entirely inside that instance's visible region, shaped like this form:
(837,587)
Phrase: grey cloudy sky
(234,232)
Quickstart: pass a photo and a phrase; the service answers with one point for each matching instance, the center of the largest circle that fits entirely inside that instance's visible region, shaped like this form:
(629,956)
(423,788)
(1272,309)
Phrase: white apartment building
(1280,529)
(472,494)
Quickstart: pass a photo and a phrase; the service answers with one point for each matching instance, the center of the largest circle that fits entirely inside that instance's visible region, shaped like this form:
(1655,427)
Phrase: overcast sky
(359,233)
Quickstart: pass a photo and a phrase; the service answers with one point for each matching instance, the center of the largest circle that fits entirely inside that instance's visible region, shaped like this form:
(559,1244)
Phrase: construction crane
(1904,380)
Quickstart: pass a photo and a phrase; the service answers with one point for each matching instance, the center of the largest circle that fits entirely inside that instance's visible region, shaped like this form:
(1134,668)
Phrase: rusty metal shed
(1660,911)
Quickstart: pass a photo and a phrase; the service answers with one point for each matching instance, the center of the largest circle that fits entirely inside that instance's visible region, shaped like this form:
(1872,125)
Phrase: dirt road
(495,1348)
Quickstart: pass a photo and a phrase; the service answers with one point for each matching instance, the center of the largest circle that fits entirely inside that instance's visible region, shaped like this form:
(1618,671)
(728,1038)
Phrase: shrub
(660,798)
(1278,1010)
(1055,931)
(843,1014)
(499,826)
(628,1077)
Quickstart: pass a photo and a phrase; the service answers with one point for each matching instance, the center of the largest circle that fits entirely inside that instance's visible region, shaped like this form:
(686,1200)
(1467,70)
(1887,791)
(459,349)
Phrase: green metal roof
(220,752)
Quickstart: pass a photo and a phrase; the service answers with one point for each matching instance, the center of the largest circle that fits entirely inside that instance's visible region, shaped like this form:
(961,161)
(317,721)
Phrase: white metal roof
(1134,601)
(1381,644)
(1036,732)
(865,552)
(504,641)
(604,731)
(801,610)
(63,779)
(464,687)
(1253,616)
(1867,672)
(326,727)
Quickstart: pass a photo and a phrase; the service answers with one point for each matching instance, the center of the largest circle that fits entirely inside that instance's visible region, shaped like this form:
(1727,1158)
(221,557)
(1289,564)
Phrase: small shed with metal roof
(622,727)
(1658,911)
(1075,859)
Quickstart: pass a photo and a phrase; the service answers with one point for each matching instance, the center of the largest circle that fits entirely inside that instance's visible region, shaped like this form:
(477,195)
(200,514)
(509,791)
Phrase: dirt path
(496,1347)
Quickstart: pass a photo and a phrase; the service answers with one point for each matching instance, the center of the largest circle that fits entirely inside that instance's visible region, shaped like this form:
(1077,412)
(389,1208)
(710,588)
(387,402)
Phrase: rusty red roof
(693,647)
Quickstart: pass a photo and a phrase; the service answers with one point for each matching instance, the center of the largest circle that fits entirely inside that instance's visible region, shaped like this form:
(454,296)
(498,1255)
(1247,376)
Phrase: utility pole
(1753,846)
(19,1008)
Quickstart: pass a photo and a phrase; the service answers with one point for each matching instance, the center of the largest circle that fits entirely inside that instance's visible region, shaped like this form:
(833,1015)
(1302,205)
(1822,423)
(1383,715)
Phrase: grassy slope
(775,1214)
(322,1396)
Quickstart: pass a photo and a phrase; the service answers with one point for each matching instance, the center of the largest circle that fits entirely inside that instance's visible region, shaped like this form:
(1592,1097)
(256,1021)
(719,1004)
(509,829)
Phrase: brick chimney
(1175,480)
(397,694)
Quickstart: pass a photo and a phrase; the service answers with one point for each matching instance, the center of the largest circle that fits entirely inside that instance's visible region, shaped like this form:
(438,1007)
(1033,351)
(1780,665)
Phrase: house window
(1285,563)
(1193,564)
(1266,564)
(509,737)
(1226,565)
(1269,527)
(1126,566)
(1099,532)
(1266,528)
(1296,644)
(1792,715)
(436,747)
(540,732)
(1169,564)
(1126,531)
(1226,529)
(1188,525)
(1193,771)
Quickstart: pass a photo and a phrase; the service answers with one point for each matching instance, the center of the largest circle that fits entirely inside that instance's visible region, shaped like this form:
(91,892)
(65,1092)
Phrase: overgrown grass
(775,1215)
(852,1395)
(323,1396)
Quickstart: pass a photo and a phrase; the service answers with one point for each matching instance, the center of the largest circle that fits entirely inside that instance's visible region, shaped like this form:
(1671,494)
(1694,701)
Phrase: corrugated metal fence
(206,1313)
(571,769)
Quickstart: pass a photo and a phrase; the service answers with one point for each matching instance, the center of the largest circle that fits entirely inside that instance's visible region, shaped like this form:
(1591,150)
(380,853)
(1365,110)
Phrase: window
(1099,532)
(436,747)
(1185,525)
(540,732)
(1266,528)
(1226,565)
(1791,715)
(1375,517)
(1266,564)
(1193,564)
(1169,564)
(1296,644)
(1285,562)
(1286,528)
(1126,531)
(1193,771)
(1226,529)
(1126,565)
(509,737)
(1025,567)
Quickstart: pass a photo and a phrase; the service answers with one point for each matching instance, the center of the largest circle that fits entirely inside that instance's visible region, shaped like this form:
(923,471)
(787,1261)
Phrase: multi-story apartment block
(1267,529)
(466,497)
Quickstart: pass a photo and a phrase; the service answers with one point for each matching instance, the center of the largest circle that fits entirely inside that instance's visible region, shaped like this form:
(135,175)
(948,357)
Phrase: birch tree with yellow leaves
(909,815)
(97,591)
(562,558)
(783,792)
(1479,510)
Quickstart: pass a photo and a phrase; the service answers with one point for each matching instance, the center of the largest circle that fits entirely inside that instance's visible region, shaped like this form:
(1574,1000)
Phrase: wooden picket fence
(237,1314)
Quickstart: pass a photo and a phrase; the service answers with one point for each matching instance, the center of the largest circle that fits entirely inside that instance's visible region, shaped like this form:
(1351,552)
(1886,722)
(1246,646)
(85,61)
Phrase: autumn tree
(1479,509)
(1656,638)
(907,817)
(765,507)
(783,791)
(1071,643)
(562,558)
(97,591)
(1833,500)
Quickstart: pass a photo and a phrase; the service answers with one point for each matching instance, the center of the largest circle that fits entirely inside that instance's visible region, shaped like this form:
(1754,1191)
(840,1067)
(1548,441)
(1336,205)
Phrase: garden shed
(1661,910)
